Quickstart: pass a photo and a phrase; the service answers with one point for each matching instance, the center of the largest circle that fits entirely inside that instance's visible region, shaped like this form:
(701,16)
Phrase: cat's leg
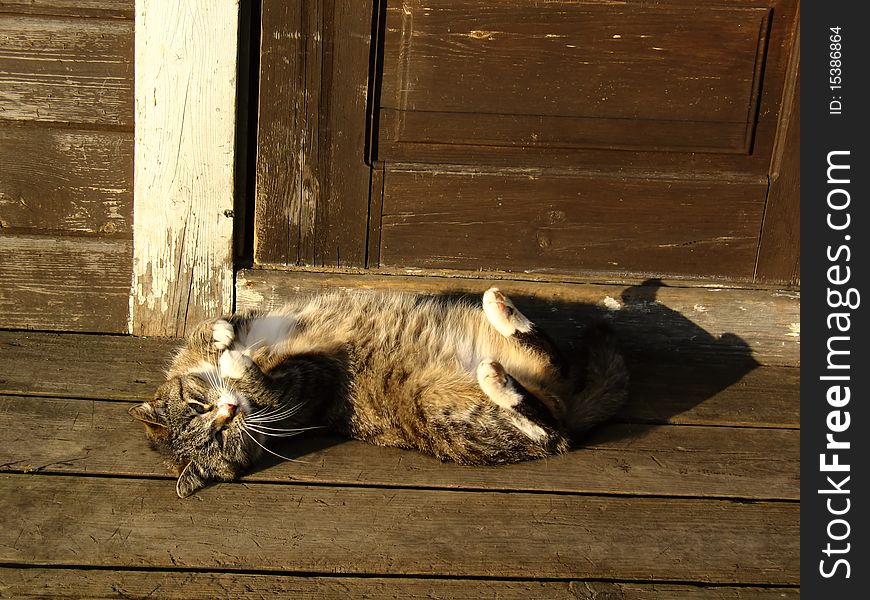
(511,323)
(527,412)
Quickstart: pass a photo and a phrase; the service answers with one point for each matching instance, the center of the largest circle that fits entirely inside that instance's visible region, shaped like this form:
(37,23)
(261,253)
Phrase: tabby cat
(478,385)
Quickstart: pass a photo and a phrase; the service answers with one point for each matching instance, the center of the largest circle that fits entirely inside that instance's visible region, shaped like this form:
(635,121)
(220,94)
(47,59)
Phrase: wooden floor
(692,493)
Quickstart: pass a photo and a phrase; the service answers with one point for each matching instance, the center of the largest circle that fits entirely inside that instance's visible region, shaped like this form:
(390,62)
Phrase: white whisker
(281,432)
(253,439)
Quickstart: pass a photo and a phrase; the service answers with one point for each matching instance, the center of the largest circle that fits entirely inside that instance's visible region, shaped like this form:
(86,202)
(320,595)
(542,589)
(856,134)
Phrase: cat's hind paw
(503,315)
(496,384)
(223,335)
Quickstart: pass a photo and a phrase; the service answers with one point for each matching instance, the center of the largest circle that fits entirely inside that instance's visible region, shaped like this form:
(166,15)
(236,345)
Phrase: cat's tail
(602,380)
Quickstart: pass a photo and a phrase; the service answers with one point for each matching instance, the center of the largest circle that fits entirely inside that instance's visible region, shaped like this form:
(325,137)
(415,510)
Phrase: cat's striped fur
(464,381)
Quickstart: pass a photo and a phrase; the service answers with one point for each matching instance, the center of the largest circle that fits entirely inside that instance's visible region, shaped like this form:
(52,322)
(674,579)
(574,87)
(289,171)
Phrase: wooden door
(566,138)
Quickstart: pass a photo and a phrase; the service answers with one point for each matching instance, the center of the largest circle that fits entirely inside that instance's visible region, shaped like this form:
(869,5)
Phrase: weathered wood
(574,224)
(431,40)
(720,392)
(174,585)
(68,436)
(280,125)
(779,248)
(108,522)
(619,64)
(312,181)
(707,393)
(342,216)
(66,70)
(65,180)
(65,283)
(85,366)
(184,168)
(668,323)
(120,9)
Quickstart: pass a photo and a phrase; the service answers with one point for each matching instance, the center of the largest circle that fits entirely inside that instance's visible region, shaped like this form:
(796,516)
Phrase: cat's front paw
(233,364)
(222,335)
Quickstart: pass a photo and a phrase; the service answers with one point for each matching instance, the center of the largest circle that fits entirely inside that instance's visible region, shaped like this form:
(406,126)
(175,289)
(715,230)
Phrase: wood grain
(184,166)
(65,180)
(620,64)
(779,248)
(68,436)
(108,522)
(574,224)
(661,322)
(86,366)
(312,180)
(119,9)
(66,70)
(472,32)
(719,392)
(174,585)
(65,283)
(280,126)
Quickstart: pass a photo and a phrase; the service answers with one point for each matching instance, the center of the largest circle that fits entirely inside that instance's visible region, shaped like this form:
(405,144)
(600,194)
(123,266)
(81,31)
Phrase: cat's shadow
(674,363)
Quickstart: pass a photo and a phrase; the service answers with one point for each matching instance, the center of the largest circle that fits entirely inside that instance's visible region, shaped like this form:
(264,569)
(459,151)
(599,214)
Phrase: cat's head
(198,425)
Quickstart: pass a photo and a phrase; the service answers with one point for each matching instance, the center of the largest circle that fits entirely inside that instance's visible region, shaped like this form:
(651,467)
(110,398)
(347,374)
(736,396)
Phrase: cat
(474,383)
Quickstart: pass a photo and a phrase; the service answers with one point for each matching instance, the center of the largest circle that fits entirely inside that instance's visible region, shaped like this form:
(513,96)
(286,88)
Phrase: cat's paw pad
(233,364)
(502,314)
(496,384)
(491,375)
(222,335)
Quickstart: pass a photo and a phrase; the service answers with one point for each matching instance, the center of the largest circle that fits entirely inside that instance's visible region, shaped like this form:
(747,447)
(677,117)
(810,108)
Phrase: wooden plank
(779,247)
(421,16)
(610,61)
(575,224)
(174,585)
(66,180)
(617,63)
(665,323)
(184,167)
(66,436)
(86,366)
(106,522)
(120,9)
(280,125)
(687,393)
(412,129)
(312,180)
(66,70)
(342,216)
(713,394)
(65,283)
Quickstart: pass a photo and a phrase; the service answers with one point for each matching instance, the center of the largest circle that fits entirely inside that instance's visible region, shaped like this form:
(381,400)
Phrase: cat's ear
(190,481)
(147,413)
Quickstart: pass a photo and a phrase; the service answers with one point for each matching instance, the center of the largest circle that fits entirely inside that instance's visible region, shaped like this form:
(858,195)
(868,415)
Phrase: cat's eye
(198,408)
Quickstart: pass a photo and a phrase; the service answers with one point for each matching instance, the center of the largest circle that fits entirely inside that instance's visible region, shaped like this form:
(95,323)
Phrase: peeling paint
(794,330)
(699,308)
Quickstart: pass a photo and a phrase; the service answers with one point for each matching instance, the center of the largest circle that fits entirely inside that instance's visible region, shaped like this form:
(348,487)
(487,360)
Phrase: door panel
(569,224)
(567,74)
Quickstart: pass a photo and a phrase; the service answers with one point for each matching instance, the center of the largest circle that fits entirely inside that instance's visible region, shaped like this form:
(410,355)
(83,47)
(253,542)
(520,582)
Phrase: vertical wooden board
(279,133)
(66,70)
(779,248)
(185,138)
(342,214)
(67,180)
(64,283)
